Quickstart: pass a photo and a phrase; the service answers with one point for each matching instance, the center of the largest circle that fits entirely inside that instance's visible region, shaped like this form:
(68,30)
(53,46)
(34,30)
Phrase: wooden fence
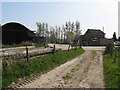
(20,53)
(23,53)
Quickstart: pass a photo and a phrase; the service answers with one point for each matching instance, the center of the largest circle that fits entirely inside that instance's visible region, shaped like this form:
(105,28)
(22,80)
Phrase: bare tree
(72,27)
(62,35)
(42,29)
(39,30)
(66,26)
(69,26)
(77,31)
(47,33)
(58,33)
(64,32)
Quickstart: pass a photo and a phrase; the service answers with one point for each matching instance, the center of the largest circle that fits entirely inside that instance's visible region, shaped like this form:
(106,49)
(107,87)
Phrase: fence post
(54,49)
(27,53)
(115,55)
(69,47)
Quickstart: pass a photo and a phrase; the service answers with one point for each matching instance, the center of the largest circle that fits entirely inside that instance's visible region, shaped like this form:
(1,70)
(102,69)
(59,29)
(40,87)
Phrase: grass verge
(15,70)
(111,71)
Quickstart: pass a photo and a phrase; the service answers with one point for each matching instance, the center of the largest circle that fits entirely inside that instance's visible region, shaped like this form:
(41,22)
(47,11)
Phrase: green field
(13,71)
(112,71)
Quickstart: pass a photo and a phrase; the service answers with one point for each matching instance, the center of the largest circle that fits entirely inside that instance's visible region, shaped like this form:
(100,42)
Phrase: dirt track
(85,71)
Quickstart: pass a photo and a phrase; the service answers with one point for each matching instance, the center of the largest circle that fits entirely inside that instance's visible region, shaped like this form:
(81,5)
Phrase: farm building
(15,33)
(94,37)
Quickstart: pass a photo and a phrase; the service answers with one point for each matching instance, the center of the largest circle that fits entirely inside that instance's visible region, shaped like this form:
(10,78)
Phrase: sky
(90,13)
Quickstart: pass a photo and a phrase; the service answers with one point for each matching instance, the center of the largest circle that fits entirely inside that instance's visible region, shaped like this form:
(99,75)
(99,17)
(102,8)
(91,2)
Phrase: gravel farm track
(84,71)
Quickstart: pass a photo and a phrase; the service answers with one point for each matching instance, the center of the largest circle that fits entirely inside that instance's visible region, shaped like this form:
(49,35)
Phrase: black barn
(15,33)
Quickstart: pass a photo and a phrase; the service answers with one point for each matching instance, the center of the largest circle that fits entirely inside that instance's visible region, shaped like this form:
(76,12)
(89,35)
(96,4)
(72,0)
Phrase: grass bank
(111,71)
(20,69)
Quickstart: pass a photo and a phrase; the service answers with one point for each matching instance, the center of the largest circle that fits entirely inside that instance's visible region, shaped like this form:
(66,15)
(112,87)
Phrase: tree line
(58,34)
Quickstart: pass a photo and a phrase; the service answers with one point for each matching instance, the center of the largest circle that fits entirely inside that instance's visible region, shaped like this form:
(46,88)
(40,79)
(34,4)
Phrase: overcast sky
(92,14)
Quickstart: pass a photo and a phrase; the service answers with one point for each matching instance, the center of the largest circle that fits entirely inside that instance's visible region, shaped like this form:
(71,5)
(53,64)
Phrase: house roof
(94,31)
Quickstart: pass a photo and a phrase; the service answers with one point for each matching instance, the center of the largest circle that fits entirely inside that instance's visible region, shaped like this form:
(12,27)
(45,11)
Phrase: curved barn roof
(15,33)
(14,26)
